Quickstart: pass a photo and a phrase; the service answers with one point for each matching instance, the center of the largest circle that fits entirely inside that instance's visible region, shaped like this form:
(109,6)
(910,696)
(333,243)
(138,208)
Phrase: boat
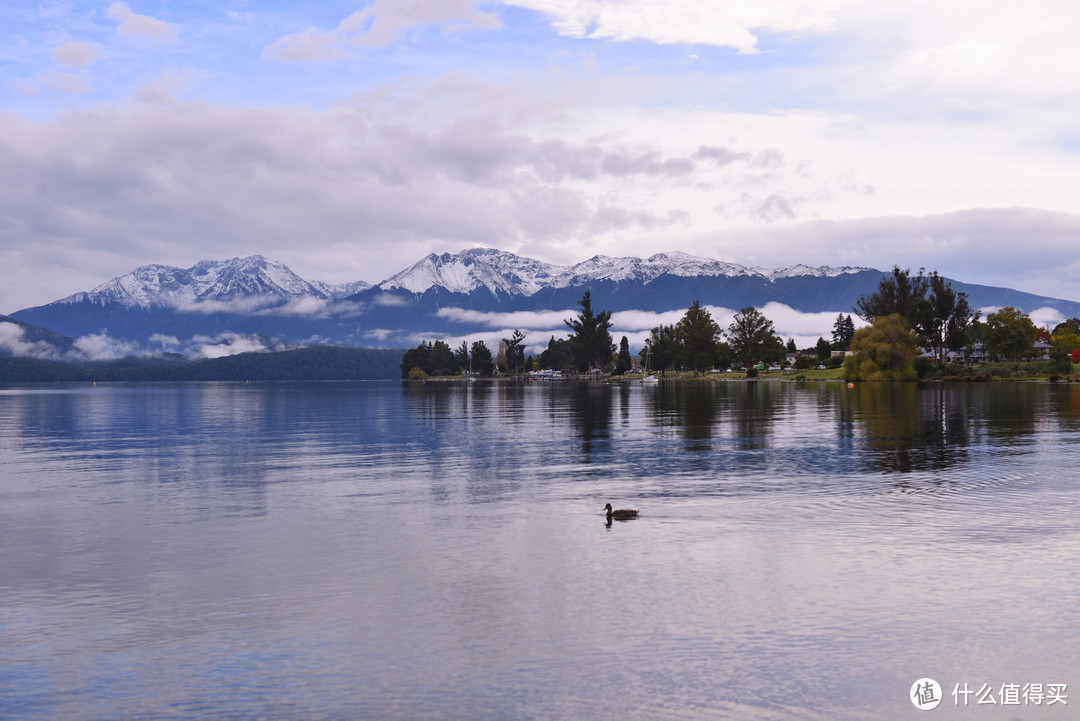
(649,378)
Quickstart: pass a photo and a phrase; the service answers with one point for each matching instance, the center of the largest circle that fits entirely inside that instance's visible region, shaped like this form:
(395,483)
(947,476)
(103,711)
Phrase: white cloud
(162,89)
(13,341)
(304,306)
(1021,248)
(733,24)
(1045,317)
(521,319)
(643,320)
(389,300)
(970,51)
(100,346)
(860,147)
(94,347)
(76,53)
(225,344)
(378,25)
(636,325)
(167,342)
(144,26)
(380,334)
(248,304)
(77,83)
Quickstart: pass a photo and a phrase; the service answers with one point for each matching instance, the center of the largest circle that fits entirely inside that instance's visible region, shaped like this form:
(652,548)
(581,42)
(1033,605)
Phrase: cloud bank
(540,326)
(102,347)
(348,143)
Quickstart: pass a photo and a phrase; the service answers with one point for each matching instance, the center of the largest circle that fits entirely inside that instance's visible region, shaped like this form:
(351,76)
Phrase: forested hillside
(304,364)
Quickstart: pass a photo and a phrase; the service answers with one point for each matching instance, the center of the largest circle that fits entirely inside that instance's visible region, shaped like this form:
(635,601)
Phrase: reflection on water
(912,429)
(438,550)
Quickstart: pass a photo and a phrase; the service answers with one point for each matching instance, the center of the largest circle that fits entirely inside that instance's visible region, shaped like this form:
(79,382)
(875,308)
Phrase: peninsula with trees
(917,328)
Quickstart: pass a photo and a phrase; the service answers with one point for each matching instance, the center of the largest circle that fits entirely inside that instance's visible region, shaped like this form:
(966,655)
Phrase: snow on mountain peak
(507,274)
(801,270)
(164,286)
(500,272)
(504,274)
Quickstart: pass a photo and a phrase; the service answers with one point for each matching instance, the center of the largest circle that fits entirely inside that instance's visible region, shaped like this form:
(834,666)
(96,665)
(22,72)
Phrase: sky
(350,139)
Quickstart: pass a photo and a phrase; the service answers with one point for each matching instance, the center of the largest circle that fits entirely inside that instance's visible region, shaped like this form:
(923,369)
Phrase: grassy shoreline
(832,374)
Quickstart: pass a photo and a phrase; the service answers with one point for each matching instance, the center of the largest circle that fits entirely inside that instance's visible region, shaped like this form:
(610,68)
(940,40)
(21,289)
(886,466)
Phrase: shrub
(416,374)
(1023,370)
(927,368)
(886,351)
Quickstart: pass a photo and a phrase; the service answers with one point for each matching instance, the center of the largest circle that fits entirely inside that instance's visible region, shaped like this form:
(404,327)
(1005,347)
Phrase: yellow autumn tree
(885,351)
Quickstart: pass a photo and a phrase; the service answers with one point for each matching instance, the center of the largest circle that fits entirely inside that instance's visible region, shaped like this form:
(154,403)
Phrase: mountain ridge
(156,285)
(478,292)
(505,273)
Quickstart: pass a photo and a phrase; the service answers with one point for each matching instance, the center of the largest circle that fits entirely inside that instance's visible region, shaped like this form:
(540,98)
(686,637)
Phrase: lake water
(438,551)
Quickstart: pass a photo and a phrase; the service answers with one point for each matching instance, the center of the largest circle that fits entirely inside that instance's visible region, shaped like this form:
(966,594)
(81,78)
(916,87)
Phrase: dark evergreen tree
(663,348)
(724,356)
(590,339)
(945,321)
(461,354)
(843,331)
(824,350)
(699,335)
(625,362)
(482,363)
(418,357)
(515,352)
(899,293)
(557,356)
(441,360)
(752,337)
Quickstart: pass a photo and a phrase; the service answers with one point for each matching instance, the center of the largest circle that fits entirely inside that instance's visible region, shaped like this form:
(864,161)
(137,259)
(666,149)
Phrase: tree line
(695,343)
(301,364)
(589,346)
(912,313)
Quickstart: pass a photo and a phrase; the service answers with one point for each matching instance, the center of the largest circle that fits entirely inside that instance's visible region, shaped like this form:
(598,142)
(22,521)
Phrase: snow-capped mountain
(161,286)
(506,274)
(450,295)
(503,274)
(336,291)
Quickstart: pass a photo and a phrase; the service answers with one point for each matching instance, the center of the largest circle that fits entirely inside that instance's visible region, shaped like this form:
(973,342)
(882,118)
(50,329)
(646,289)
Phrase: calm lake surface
(438,551)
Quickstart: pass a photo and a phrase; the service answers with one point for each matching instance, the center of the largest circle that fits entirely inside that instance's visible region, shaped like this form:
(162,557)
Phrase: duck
(622,514)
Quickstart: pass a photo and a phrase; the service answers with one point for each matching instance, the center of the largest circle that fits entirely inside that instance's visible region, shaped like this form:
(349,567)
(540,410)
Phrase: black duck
(620,514)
